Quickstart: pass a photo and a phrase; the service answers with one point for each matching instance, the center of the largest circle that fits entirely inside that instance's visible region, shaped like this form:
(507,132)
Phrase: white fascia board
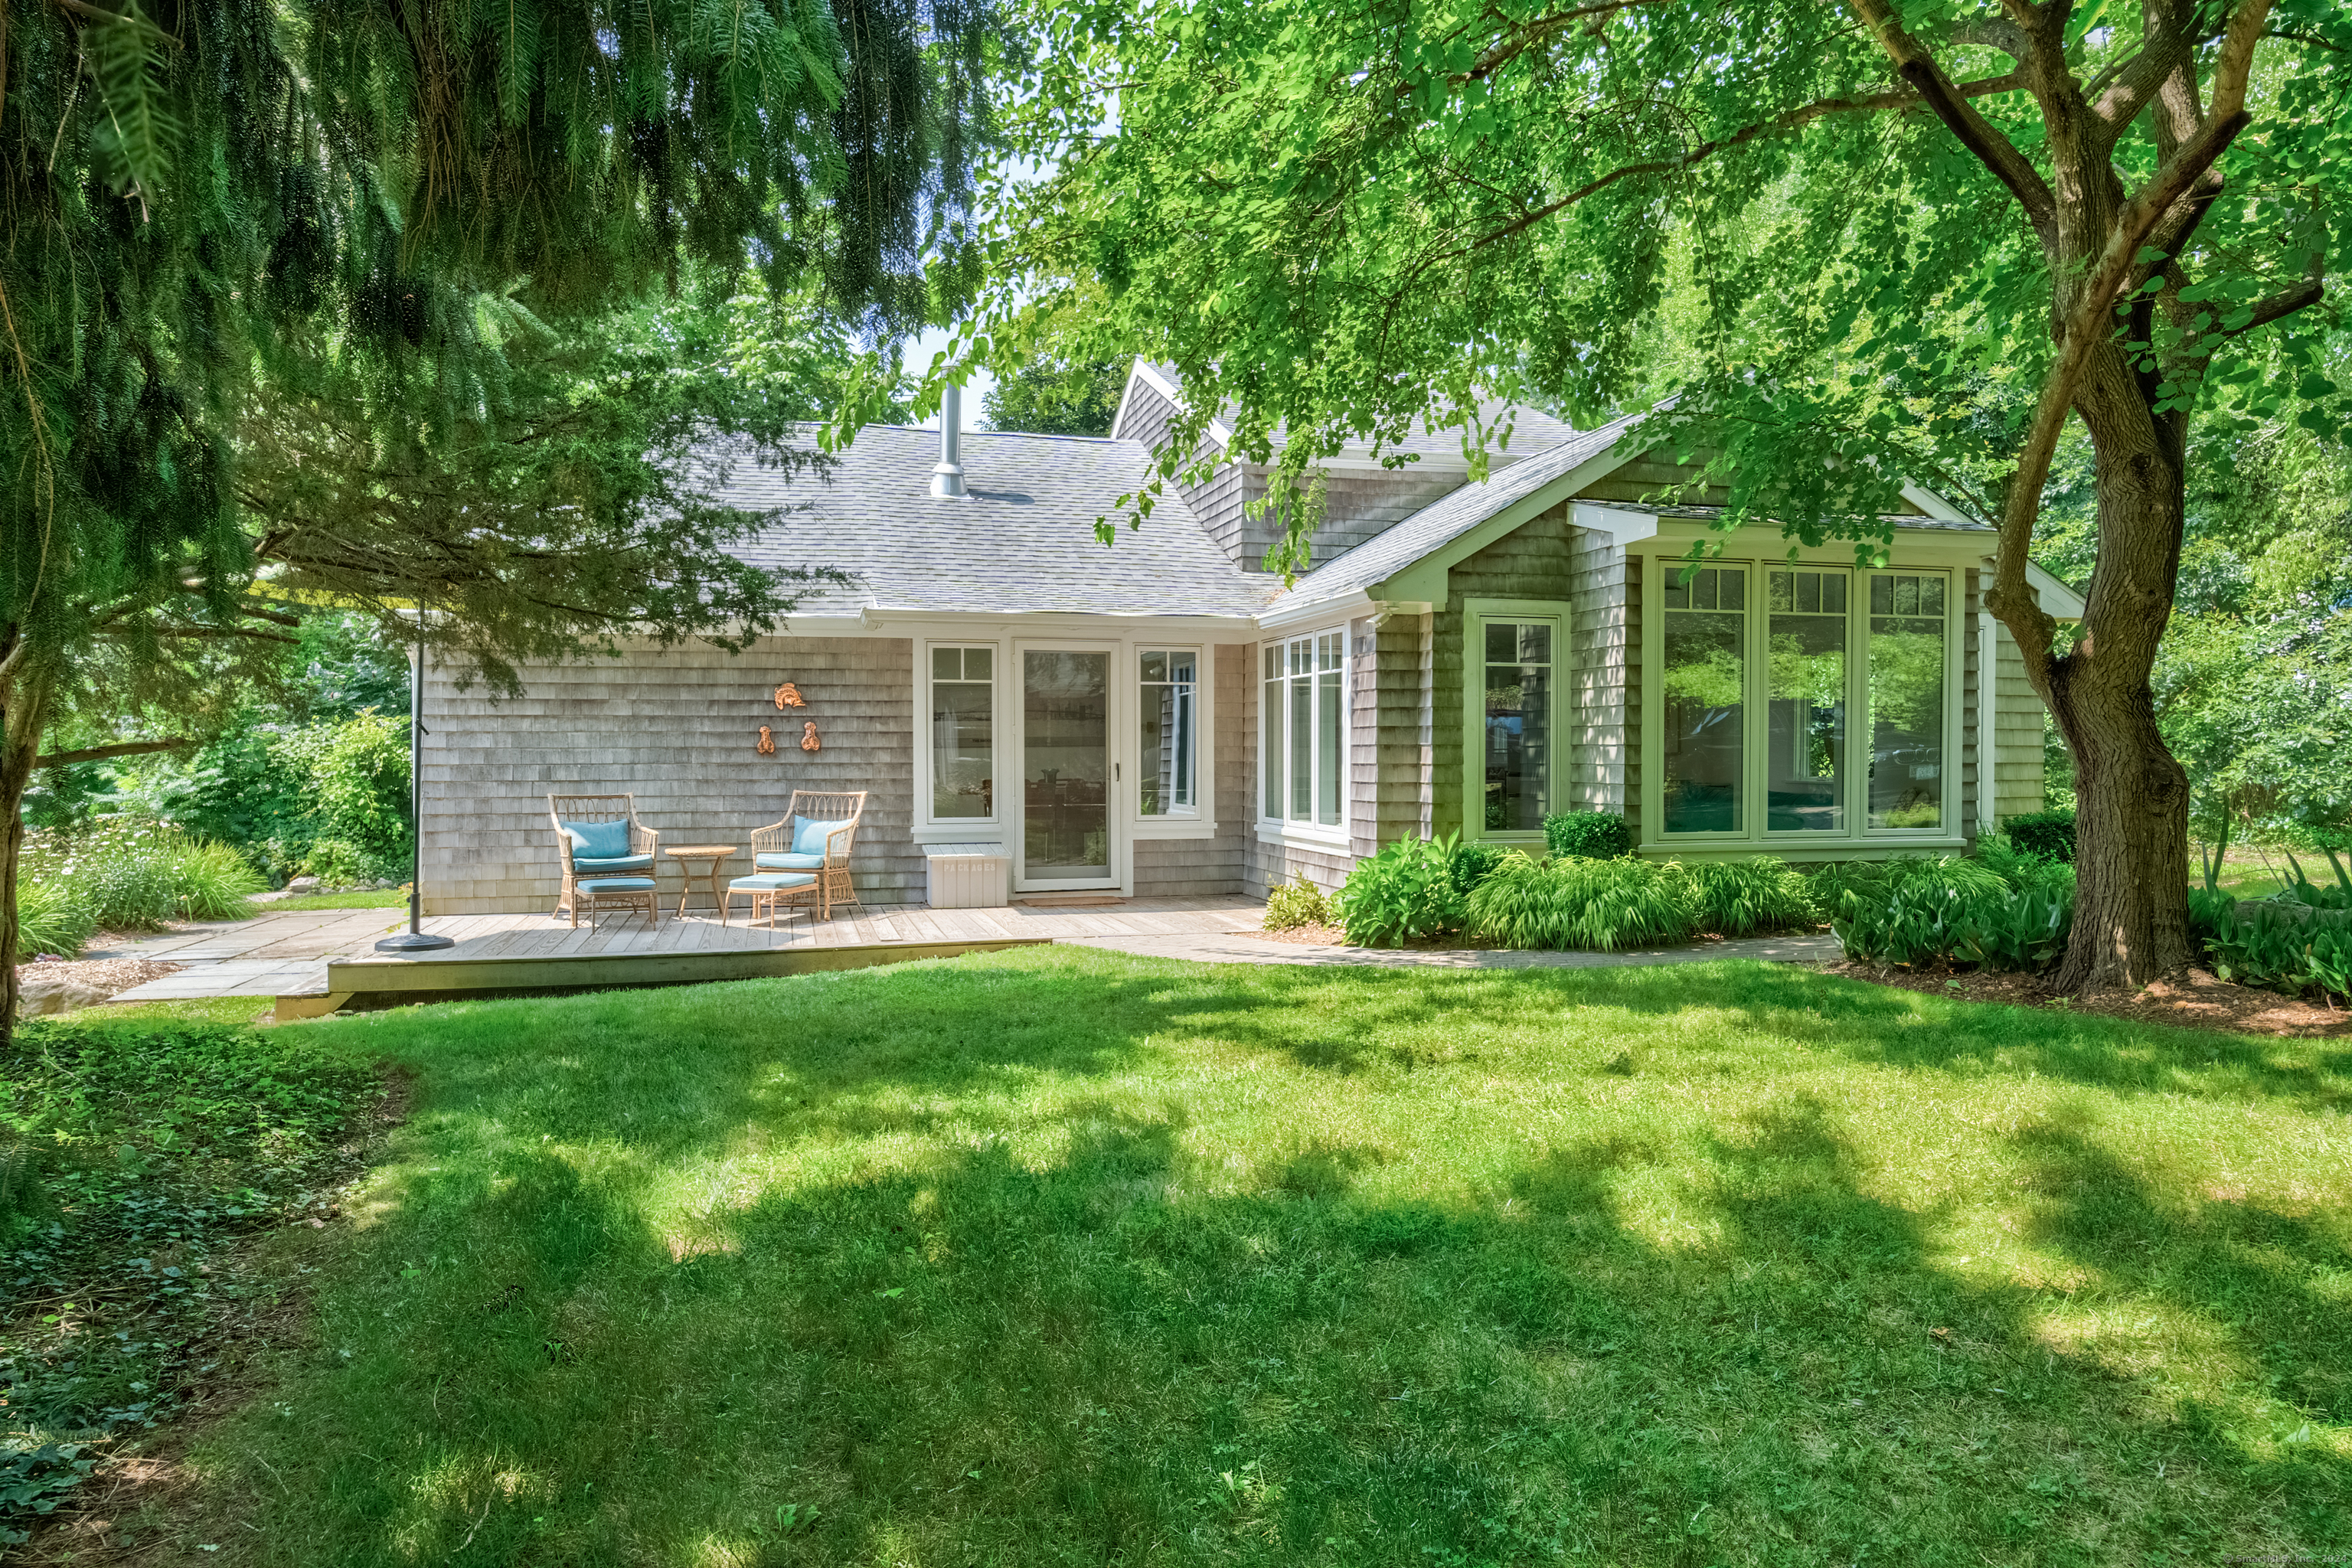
(2050,591)
(1620,523)
(1425,578)
(1916,547)
(1282,616)
(1136,372)
(1936,506)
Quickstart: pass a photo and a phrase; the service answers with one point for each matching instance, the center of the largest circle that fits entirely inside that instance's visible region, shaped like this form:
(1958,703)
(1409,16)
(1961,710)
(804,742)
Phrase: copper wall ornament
(808,736)
(789,696)
(767,741)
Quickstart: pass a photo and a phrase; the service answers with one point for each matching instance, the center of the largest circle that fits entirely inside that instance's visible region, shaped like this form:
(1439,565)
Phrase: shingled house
(1163,717)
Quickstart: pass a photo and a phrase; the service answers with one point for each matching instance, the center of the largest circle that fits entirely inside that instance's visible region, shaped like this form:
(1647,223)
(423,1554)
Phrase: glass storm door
(1065,767)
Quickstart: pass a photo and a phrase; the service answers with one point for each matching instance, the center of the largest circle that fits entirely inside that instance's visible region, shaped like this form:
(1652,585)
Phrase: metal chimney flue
(947,474)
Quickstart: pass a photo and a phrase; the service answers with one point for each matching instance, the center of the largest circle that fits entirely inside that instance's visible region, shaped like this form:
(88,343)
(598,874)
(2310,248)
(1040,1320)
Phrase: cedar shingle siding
(679,728)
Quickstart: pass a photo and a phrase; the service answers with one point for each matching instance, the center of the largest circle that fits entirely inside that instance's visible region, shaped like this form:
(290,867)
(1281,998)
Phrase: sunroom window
(1824,706)
(1302,728)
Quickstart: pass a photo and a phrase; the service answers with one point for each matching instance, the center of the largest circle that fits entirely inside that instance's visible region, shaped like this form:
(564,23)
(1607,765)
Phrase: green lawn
(377,898)
(1064,1256)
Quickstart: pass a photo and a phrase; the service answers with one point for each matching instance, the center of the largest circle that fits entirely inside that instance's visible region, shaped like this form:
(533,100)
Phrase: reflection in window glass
(1805,777)
(1168,699)
(962,733)
(1907,700)
(1703,686)
(1327,648)
(1270,747)
(1518,658)
(1303,728)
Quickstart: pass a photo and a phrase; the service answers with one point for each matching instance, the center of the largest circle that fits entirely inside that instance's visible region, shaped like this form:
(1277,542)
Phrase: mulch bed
(2201,1002)
(110,975)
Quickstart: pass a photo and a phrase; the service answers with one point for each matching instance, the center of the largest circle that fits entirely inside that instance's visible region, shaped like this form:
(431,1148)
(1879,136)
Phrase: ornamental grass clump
(1746,897)
(1602,905)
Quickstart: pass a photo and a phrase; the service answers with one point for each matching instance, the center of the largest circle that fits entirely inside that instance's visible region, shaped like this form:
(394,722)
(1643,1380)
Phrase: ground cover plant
(1064,1256)
(1296,904)
(130,1156)
(2003,910)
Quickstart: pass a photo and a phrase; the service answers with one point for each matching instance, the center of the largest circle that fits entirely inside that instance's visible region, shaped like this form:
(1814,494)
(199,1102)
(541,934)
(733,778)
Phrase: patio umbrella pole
(415,939)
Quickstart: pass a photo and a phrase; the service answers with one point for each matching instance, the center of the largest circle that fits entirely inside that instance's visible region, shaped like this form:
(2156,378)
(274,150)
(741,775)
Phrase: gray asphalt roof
(1023,542)
(1441,521)
(1532,431)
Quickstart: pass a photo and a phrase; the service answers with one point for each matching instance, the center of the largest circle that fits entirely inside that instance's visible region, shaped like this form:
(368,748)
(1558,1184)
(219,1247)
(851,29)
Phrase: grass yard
(1064,1256)
(374,899)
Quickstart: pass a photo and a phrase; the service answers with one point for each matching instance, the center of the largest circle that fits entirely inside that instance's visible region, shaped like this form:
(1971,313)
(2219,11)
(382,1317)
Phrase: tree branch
(1531,34)
(2285,302)
(100,753)
(1977,134)
(1788,121)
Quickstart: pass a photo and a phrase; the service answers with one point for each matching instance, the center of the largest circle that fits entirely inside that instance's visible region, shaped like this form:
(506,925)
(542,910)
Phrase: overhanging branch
(122,748)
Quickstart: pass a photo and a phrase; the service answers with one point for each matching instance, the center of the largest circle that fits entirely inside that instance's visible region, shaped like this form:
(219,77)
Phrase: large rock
(38,995)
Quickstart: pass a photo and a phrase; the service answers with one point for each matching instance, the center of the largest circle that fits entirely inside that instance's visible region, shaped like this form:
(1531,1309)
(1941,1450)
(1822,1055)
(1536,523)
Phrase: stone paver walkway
(287,954)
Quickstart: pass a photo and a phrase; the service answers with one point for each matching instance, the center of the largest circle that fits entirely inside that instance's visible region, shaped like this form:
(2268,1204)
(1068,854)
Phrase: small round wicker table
(716,855)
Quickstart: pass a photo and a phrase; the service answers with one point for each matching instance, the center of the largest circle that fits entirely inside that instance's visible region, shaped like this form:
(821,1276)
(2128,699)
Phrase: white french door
(1068,826)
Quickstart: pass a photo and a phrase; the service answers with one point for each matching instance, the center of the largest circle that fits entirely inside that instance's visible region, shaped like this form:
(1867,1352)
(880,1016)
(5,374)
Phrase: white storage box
(969,875)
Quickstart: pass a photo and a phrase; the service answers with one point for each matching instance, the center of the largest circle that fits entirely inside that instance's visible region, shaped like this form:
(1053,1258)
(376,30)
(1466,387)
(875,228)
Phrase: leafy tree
(1927,242)
(1057,396)
(289,294)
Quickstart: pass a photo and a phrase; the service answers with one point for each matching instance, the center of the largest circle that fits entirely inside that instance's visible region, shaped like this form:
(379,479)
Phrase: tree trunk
(22,715)
(2131,872)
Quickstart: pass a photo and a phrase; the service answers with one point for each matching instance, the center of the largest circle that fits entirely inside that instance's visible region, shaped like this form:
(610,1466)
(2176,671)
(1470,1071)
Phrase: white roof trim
(1624,526)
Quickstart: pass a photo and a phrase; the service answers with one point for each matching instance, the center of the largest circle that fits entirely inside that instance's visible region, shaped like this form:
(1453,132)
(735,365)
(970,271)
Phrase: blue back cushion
(808,837)
(598,840)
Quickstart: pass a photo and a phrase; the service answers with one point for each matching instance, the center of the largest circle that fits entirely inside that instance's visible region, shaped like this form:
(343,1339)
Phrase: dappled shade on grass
(1068,1256)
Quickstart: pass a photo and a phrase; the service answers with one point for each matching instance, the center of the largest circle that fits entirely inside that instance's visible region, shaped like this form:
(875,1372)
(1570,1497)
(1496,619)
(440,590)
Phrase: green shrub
(2288,945)
(1296,904)
(1603,905)
(49,920)
(340,863)
(1474,862)
(1743,897)
(355,782)
(1916,910)
(1404,893)
(1589,834)
(137,876)
(2048,834)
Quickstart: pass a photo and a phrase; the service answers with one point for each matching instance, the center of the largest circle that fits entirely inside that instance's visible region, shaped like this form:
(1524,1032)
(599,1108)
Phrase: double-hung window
(963,733)
(1168,713)
(1800,700)
(1302,728)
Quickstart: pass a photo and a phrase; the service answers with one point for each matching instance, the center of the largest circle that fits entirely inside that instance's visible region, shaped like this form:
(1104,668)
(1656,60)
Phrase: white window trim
(1756,731)
(1476,614)
(1203,781)
(937,829)
(1282,829)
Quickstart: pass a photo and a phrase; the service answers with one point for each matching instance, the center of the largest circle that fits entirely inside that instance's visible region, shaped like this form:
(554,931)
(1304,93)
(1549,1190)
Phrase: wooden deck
(499,953)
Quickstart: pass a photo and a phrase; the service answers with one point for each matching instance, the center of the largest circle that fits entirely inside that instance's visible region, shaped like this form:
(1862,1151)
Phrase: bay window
(1302,728)
(1795,700)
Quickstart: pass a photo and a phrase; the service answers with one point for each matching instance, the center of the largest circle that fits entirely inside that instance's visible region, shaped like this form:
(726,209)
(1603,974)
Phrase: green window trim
(1515,740)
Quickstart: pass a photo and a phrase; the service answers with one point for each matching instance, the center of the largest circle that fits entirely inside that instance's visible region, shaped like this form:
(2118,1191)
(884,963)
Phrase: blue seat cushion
(625,863)
(809,835)
(778,860)
(775,882)
(598,840)
(616,884)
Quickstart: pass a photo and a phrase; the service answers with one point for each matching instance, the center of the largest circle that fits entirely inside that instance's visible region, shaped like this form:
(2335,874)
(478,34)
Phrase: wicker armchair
(775,847)
(589,808)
